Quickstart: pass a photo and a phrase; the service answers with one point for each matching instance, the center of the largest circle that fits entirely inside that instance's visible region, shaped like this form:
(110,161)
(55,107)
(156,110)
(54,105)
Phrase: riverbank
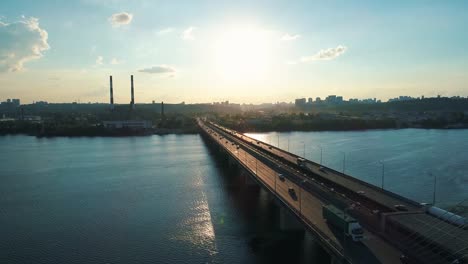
(55,130)
(335,126)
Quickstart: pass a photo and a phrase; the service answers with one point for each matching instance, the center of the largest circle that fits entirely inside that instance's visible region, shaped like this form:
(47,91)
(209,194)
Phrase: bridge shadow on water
(259,215)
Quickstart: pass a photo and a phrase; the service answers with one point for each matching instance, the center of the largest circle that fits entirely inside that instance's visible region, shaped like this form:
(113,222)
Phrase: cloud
(120,19)
(21,42)
(165,31)
(287,37)
(326,54)
(115,61)
(99,60)
(160,69)
(188,34)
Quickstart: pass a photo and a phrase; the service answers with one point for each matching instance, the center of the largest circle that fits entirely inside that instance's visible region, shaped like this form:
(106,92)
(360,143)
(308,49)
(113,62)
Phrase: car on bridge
(281,177)
(292,193)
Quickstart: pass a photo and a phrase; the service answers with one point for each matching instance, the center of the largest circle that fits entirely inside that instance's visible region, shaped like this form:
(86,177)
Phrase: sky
(241,51)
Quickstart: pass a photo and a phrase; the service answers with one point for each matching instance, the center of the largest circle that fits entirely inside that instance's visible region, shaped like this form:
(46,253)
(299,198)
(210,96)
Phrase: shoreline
(348,130)
(165,132)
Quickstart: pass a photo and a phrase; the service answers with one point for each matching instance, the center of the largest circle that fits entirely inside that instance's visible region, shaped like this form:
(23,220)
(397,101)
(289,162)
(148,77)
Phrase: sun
(242,53)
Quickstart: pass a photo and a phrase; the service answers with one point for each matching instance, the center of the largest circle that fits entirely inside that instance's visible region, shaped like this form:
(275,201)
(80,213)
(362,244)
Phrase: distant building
(34,119)
(401,98)
(300,102)
(132,124)
(318,100)
(310,100)
(331,99)
(11,102)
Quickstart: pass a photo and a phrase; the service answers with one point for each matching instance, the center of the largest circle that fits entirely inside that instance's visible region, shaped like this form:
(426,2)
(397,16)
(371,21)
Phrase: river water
(410,160)
(170,199)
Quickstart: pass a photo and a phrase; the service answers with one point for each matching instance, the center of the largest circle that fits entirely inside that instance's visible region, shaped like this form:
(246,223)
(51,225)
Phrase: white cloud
(115,61)
(188,34)
(165,31)
(99,61)
(21,42)
(120,19)
(326,54)
(159,69)
(287,37)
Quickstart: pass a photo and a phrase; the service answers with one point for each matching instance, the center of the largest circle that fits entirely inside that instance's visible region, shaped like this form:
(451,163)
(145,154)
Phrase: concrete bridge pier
(232,162)
(248,181)
(288,222)
(335,260)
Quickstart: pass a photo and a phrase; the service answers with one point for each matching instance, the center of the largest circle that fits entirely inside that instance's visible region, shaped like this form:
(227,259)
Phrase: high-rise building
(300,102)
(331,99)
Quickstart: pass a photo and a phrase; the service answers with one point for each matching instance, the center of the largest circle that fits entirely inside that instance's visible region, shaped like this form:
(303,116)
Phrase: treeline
(296,123)
(53,129)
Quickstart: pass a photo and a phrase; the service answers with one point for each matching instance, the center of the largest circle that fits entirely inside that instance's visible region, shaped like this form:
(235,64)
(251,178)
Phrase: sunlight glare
(242,54)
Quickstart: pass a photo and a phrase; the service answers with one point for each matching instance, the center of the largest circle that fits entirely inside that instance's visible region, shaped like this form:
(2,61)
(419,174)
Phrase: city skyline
(242,52)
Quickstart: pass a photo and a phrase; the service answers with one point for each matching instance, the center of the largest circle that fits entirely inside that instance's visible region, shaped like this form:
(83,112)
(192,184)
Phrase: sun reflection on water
(197,229)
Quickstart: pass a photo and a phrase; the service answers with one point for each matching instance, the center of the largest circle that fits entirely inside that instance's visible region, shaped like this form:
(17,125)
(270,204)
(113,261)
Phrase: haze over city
(240,51)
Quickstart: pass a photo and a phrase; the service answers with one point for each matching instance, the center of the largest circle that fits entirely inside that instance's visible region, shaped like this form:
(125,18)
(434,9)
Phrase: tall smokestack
(132,103)
(111,94)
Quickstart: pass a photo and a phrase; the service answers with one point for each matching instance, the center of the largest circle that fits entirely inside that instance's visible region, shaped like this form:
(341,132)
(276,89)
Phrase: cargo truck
(342,221)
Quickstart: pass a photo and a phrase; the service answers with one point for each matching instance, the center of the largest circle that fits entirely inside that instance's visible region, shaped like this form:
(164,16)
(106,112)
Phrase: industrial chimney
(132,103)
(111,94)
(162,110)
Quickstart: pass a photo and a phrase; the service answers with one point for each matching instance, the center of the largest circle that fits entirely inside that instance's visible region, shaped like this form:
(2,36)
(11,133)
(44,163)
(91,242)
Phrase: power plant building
(125,124)
(131,124)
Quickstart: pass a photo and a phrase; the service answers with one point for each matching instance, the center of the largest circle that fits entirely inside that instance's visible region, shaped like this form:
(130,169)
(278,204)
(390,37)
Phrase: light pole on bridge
(321,154)
(383,173)
(435,187)
(344,160)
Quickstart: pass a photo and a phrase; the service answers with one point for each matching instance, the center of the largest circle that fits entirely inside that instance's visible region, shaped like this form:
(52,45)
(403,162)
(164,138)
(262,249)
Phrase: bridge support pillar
(232,162)
(334,260)
(248,180)
(288,222)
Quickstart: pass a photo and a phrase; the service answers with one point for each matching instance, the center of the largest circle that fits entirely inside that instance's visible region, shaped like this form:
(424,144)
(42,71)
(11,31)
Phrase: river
(169,199)
(410,160)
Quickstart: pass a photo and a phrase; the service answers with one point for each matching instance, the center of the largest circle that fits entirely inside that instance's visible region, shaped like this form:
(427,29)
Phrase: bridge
(395,229)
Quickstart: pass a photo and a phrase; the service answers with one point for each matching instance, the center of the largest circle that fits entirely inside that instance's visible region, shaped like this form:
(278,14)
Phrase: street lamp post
(344,160)
(304,151)
(288,143)
(435,186)
(383,173)
(278,140)
(321,154)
